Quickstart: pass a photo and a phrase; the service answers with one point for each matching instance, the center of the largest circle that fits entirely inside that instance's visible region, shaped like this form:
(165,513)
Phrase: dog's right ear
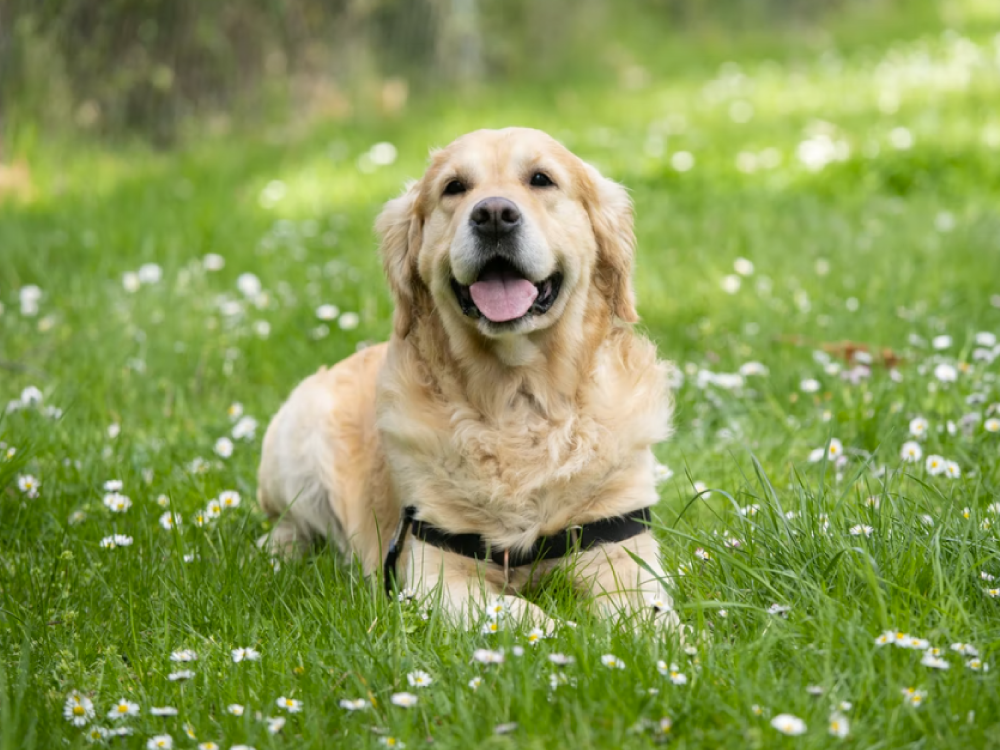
(400,231)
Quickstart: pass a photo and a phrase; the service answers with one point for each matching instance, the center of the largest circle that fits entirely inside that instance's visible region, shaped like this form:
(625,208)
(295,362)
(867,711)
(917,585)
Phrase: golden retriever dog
(513,400)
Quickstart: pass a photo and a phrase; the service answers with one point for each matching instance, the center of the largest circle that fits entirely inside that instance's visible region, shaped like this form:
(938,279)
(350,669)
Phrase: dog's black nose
(494,217)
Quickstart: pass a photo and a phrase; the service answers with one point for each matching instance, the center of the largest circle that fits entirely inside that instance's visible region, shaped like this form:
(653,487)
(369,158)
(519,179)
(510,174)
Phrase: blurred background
(163,69)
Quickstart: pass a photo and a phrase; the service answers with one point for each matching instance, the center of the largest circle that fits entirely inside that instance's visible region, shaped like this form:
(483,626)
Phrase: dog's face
(506,230)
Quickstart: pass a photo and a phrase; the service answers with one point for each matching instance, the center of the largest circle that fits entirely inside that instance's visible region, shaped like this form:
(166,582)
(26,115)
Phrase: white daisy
(487,656)
(78,709)
(235,709)
(612,662)
(96,734)
(160,742)
(244,429)
(28,485)
(838,726)
(116,502)
(672,672)
(275,724)
(353,704)
(123,709)
(184,655)
(946,373)
(229,499)
(861,529)
(913,697)
(911,452)
(223,447)
(886,638)
(491,626)
(788,724)
(535,635)
(405,700)
(498,608)
(810,385)
(661,473)
(561,659)
(556,679)
(213,510)
(245,654)
(327,312)
(965,648)
(184,674)
(992,425)
(952,470)
(419,678)
(391,742)
(163,711)
(934,662)
(935,465)
(475,682)
(977,665)
(289,704)
(918,427)
(832,452)
(213,262)
(249,284)
(170,520)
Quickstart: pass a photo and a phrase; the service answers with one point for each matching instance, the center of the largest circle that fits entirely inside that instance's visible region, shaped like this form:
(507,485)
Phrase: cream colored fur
(510,435)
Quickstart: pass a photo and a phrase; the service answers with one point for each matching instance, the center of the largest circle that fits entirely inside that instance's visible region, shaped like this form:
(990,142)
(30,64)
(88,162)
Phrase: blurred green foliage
(147,66)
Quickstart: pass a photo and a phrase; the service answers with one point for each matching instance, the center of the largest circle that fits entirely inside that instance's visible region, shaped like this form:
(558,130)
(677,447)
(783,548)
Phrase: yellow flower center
(78,710)
(122,708)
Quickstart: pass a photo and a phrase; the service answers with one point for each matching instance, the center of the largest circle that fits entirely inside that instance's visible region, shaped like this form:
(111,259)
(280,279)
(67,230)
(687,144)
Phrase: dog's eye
(455,187)
(540,179)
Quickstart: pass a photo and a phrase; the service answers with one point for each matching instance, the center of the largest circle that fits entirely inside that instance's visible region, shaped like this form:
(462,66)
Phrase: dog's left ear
(400,230)
(610,211)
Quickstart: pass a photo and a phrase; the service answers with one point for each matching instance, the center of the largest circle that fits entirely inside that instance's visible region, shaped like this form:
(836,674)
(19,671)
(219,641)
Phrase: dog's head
(506,233)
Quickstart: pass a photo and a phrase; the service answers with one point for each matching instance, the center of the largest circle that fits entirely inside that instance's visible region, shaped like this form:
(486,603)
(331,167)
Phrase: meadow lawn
(790,209)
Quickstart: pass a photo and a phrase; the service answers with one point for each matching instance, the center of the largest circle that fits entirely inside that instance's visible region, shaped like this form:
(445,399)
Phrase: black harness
(560,544)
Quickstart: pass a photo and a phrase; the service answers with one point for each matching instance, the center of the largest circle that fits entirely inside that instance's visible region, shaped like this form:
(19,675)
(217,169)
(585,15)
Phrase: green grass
(884,244)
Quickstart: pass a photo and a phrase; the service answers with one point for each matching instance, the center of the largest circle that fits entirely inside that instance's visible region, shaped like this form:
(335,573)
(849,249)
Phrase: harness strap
(560,544)
(395,548)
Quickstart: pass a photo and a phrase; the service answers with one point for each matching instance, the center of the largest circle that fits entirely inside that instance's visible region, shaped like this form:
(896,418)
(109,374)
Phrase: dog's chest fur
(535,465)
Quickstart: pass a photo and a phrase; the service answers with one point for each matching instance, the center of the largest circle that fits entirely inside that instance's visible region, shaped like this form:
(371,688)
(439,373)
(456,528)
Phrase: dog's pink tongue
(502,295)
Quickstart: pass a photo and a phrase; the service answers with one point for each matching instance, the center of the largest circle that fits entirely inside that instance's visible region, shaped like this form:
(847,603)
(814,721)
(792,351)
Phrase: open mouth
(502,294)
